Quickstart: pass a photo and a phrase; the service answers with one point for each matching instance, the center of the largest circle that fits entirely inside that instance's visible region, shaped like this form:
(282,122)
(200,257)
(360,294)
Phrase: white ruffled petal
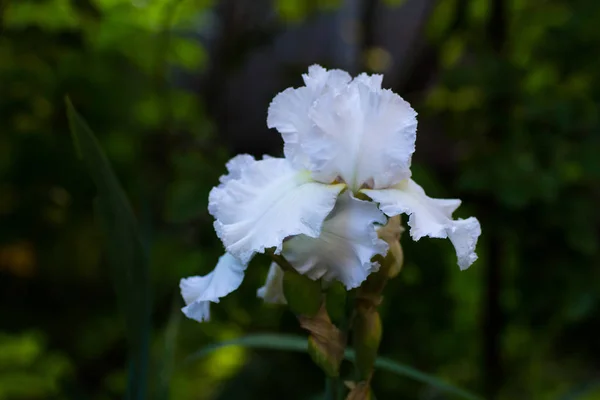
(347,243)
(272,291)
(269,201)
(199,291)
(372,81)
(235,166)
(430,217)
(288,112)
(319,79)
(363,134)
(350,129)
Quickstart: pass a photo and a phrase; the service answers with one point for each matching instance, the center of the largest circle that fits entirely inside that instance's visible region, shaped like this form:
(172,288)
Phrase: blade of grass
(125,253)
(299,344)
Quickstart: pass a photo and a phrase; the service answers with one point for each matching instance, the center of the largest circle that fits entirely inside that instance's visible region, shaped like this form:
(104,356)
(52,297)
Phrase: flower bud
(326,343)
(394,259)
(391,232)
(367,336)
(323,358)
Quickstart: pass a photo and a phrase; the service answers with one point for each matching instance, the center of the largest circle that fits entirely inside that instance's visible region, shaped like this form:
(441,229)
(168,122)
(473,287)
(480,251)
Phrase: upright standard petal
(347,243)
(349,129)
(372,81)
(288,112)
(235,166)
(267,202)
(430,217)
(199,291)
(363,134)
(272,291)
(319,79)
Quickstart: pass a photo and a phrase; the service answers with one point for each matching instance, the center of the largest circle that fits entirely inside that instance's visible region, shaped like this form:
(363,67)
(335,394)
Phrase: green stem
(332,389)
(280,260)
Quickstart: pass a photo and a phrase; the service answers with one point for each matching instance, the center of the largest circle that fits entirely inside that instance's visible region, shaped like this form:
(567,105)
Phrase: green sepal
(335,302)
(303,294)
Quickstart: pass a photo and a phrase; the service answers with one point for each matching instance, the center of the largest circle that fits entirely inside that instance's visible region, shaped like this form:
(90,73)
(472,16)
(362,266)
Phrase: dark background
(507,94)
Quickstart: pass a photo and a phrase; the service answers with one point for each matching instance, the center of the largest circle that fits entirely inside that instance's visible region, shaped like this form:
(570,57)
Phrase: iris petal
(266,202)
(288,112)
(199,291)
(430,217)
(354,130)
(272,291)
(347,243)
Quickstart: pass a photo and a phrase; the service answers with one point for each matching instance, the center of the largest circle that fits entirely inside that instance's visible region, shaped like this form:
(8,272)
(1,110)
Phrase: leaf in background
(394,3)
(125,252)
(300,344)
(585,391)
(52,15)
(166,362)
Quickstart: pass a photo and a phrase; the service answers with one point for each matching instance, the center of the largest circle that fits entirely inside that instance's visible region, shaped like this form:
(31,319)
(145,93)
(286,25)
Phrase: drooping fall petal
(347,243)
(267,201)
(199,291)
(430,217)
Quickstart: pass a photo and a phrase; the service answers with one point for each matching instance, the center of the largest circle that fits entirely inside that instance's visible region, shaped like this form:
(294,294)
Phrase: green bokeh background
(515,95)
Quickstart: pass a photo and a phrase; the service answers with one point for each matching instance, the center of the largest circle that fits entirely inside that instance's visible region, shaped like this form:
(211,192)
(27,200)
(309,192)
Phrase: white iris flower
(341,135)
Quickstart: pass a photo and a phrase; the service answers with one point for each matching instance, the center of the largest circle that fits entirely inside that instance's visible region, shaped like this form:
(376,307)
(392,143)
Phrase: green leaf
(300,344)
(257,341)
(126,255)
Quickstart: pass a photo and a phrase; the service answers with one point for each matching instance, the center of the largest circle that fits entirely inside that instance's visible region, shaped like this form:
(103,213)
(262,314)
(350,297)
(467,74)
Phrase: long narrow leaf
(299,344)
(125,253)
(166,363)
(387,364)
(259,341)
(582,390)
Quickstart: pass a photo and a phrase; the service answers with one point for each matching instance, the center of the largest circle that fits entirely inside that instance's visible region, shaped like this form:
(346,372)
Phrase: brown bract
(326,342)
(359,391)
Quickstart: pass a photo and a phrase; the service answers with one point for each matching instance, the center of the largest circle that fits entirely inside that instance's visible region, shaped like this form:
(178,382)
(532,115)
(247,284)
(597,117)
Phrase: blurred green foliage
(295,11)
(516,94)
(28,369)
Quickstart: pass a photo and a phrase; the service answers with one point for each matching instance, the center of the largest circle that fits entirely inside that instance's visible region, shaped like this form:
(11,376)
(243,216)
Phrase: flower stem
(280,260)
(332,389)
